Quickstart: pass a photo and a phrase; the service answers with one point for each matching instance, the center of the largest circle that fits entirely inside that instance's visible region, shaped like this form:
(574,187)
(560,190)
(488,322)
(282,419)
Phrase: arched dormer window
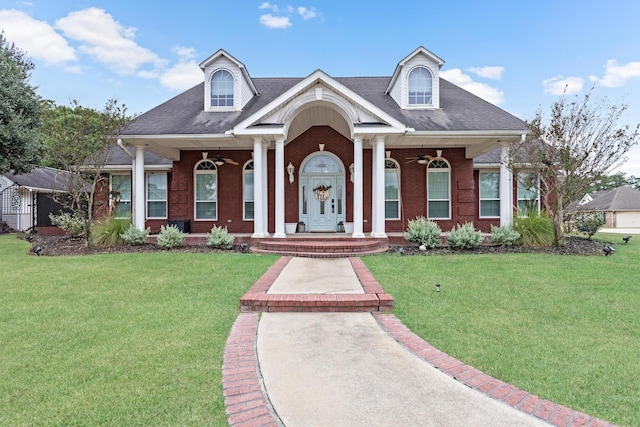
(222,89)
(439,189)
(420,86)
(391,189)
(206,190)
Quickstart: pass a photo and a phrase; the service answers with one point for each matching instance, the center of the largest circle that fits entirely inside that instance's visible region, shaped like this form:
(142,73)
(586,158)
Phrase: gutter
(125,149)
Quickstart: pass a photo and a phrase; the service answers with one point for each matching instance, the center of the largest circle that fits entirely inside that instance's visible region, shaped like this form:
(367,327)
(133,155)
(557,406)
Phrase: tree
(19,111)
(580,140)
(609,182)
(77,140)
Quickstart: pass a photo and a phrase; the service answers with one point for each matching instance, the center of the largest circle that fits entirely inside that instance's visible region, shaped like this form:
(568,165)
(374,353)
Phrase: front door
(322,212)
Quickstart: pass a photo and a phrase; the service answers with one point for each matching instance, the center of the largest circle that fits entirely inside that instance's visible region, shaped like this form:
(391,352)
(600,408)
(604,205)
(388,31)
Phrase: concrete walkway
(359,369)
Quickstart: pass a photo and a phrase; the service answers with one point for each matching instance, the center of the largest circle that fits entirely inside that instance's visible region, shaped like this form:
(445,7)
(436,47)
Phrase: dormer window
(222,89)
(420,86)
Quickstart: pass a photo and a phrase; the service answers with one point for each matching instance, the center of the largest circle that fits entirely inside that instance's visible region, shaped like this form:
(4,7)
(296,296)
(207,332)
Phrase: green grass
(565,328)
(117,339)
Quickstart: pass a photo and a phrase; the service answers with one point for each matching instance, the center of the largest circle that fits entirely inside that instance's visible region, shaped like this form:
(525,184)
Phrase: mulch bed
(62,245)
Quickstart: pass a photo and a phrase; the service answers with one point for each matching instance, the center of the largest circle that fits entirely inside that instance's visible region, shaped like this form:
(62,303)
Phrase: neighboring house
(621,206)
(260,155)
(27,200)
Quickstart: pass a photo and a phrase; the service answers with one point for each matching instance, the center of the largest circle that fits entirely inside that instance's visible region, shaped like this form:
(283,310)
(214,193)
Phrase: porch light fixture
(352,167)
(290,170)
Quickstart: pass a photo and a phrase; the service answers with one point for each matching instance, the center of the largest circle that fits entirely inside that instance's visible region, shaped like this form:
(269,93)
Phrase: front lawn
(117,339)
(565,328)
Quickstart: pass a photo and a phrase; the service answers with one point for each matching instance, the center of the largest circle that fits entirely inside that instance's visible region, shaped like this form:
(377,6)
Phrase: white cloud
(488,72)
(276,22)
(185,74)
(37,38)
(559,85)
(617,75)
(484,91)
(107,41)
(267,5)
(307,13)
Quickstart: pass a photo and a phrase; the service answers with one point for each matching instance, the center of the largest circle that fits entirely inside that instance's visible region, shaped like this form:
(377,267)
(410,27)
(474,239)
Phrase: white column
(139,193)
(265,190)
(378,190)
(358,215)
(506,187)
(279,181)
(374,193)
(258,218)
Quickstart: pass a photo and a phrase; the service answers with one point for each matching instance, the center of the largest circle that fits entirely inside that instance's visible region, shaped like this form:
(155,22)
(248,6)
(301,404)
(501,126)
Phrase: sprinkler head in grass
(608,250)
(438,287)
(626,239)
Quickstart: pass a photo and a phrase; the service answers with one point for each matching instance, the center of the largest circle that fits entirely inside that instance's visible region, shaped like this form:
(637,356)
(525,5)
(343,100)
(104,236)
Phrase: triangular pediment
(318,90)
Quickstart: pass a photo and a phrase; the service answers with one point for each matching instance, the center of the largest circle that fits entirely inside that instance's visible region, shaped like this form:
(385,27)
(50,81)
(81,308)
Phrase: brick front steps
(373,299)
(320,247)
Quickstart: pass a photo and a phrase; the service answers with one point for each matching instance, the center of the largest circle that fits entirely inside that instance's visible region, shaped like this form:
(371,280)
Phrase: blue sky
(518,55)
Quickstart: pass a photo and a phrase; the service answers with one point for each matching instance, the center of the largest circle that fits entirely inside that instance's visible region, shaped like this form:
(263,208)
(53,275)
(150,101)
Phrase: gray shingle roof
(119,157)
(459,110)
(618,199)
(41,179)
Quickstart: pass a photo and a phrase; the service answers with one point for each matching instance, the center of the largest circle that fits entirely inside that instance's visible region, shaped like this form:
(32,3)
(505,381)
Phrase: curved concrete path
(360,369)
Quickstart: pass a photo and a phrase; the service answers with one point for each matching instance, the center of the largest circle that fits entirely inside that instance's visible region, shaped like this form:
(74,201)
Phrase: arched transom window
(420,86)
(222,88)
(206,190)
(439,189)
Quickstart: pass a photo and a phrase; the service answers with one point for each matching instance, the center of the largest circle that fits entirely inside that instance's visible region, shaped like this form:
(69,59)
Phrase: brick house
(365,154)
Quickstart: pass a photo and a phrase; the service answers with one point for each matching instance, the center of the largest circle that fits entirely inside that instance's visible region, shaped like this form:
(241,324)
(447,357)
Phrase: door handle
(332,207)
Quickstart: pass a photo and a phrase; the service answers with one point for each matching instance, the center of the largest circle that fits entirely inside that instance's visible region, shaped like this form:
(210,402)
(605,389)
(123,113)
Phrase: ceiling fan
(423,159)
(219,160)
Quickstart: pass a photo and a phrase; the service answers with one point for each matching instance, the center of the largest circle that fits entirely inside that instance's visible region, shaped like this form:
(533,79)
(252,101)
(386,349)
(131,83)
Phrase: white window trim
(397,171)
(235,92)
(518,198)
(408,104)
(245,171)
(165,200)
(480,199)
(439,200)
(195,189)
(111,201)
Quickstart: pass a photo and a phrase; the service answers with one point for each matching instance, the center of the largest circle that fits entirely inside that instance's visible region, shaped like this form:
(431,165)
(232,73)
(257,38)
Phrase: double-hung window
(121,195)
(222,88)
(391,189)
(528,195)
(157,195)
(438,189)
(489,194)
(248,192)
(420,86)
(206,191)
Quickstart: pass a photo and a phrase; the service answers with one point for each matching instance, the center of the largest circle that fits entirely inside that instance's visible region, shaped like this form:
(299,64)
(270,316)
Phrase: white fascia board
(124,168)
(261,130)
(495,166)
(303,85)
(132,139)
(471,133)
(377,130)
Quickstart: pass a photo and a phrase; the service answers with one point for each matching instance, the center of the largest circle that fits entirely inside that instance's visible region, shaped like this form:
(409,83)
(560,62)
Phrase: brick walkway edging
(550,412)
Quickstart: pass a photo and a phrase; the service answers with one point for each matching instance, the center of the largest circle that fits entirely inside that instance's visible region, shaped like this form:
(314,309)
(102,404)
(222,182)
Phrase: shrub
(589,222)
(107,231)
(219,238)
(504,236)
(170,237)
(72,224)
(464,236)
(423,232)
(135,236)
(535,229)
